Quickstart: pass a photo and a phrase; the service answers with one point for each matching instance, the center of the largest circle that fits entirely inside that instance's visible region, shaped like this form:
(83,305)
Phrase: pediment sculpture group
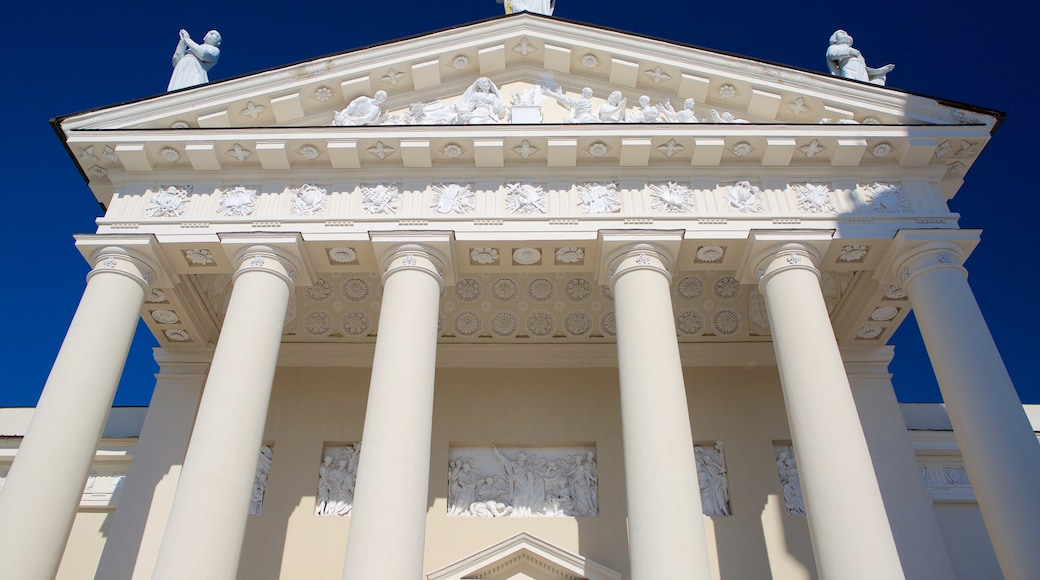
(482,104)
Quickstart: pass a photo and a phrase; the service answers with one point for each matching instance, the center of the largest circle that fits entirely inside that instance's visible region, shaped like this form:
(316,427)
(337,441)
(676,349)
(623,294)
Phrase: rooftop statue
(645,112)
(684,115)
(191,61)
(847,62)
(537,6)
(362,111)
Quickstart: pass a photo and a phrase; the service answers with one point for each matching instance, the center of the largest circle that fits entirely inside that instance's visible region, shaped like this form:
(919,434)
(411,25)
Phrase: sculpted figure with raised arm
(362,111)
(847,62)
(192,61)
(581,106)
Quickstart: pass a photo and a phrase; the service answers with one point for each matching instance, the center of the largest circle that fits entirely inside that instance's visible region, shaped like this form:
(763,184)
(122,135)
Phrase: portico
(602,334)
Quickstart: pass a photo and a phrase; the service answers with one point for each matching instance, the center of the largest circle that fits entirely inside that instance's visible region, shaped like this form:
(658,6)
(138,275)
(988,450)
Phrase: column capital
(134,256)
(429,252)
(281,254)
(770,252)
(914,252)
(784,258)
(614,244)
(641,256)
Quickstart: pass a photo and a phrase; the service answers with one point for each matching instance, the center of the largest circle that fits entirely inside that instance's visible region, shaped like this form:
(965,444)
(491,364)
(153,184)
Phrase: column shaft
(42,493)
(1000,450)
(846,515)
(666,536)
(144,506)
(388,518)
(203,538)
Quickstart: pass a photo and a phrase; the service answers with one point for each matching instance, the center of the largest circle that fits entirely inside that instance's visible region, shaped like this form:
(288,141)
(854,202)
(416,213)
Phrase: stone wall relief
(169,201)
(337,475)
(453,198)
(263,471)
(946,479)
(711,475)
(237,201)
(599,197)
(671,197)
(789,480)
(526,198)
(885,197)
(308,199)
(380,198)
(523,482)
(742,197)
(813,198)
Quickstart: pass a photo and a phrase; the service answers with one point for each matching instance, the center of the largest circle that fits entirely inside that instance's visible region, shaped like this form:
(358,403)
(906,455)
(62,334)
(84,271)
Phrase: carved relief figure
(789,480)
(336,477)
(847,62)
(263,469)
(711,475)
(743,197)
(529,485)
(645,112)
(362,111)
(480,104)
(435,113)
(580,107)
(684,115)
(613,111)
(726,117)
(192,61)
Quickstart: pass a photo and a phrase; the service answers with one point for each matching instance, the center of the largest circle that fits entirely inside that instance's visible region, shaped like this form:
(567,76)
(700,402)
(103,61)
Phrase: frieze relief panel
(516,199)
(102,489)
(523,482)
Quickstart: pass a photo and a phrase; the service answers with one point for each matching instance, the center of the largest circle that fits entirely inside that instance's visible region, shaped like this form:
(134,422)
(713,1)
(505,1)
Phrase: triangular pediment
(524,557)
(520,51)
(280,119)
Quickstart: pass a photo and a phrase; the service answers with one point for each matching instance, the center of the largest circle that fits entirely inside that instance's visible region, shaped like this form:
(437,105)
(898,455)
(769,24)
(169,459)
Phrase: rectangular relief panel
(523,482)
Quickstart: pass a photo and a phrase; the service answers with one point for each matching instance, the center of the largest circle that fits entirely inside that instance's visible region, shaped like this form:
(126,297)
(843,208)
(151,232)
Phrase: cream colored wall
(967,541)
(743,407)
(83,550)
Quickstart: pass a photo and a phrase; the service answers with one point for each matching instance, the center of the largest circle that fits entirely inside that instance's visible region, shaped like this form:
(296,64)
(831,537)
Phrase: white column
(847,521)
(1000,450)
(922,550)
(42,493)
(388,518)
(144,505)
(665,521)
(203,538)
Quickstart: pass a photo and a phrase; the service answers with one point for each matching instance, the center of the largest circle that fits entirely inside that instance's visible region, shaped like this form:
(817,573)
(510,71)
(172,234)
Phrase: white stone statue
(192,61)
(613,111)
(790,482)
(684,115)
(481,104)
(711,475)
(726,117)
(580,107)
(847,62)
(362,111)
(537,6)
(644,112)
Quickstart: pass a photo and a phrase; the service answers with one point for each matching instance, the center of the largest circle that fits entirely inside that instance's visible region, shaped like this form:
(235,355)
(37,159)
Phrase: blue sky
(72,56)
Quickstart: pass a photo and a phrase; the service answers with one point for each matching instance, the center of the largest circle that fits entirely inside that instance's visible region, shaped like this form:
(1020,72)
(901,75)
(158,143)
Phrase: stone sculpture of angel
(847,62)
(192,61)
